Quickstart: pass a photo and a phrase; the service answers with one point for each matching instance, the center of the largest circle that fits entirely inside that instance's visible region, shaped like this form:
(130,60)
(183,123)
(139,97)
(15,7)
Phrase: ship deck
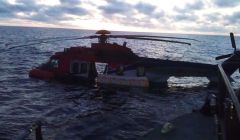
(193,126)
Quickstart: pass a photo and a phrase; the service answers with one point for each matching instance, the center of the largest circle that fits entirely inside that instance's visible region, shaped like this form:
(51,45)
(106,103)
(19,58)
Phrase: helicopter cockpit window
(54,63)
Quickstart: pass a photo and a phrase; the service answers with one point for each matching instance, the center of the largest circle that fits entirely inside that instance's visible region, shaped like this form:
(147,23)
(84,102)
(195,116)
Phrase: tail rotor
(233,46)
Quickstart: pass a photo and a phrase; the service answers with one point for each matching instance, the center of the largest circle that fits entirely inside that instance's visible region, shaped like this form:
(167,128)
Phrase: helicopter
(123,67)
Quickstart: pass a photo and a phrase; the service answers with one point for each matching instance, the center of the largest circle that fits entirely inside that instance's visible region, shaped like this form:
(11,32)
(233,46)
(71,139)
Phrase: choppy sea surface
(73,111)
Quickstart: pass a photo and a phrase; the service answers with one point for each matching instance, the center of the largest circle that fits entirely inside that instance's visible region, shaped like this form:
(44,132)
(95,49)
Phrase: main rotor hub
(103,32)
(103,38)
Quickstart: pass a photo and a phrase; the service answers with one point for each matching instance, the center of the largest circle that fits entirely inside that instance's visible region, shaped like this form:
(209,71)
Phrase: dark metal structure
(228,105)
(222,109)
(227,108)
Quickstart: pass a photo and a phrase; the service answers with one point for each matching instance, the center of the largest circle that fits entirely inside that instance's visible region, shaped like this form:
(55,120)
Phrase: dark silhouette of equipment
(233,46)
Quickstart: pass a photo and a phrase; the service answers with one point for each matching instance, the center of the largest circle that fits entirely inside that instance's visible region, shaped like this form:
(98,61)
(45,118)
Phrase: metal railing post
(228,108)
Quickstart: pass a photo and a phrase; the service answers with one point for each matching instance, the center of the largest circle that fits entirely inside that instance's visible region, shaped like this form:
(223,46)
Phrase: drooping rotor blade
(153,39)
(51,41)
(40,39)
(151,36)
(52,38)
(223,56)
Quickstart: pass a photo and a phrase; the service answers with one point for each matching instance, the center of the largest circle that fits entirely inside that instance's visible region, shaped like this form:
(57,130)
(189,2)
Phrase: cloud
(187,13)
(124,8)
(226,3)
(214,17)
(129,12)
(145,8)
(122,13)
(72,2)
(116,7)
(42,13)
(4,8)
(8,10)
(131,21)
(190,7)
(233,18)
(185,17)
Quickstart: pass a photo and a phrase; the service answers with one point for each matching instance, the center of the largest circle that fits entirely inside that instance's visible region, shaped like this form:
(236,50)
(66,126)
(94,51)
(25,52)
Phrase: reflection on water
(74,111)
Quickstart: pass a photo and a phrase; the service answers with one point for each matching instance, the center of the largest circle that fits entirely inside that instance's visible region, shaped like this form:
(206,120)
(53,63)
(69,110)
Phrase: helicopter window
(84,68)
(75,67)
(54,63)
(78,67)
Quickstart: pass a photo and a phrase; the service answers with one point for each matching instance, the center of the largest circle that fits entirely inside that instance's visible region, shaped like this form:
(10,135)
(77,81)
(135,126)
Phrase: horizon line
(157,32)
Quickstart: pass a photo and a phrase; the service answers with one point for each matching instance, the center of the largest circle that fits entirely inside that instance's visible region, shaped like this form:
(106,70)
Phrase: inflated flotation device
(130,81)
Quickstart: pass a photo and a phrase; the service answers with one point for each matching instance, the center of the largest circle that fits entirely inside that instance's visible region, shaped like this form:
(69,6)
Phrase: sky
(171,16)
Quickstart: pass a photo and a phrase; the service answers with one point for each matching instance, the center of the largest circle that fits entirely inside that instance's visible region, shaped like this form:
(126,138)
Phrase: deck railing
(228,108)
(36,126)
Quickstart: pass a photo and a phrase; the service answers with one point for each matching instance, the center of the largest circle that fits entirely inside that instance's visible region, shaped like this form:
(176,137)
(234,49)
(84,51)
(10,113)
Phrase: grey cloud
(116,7)
(48,18)
(187,12)
(70,2)
(233,18)
(6,7)
(213,17)
(27,2)
(185,17)
(132,21)
(42,12)
(59,10)
(159,15)
(56,13)
(226,3)
(198,5)
(9,11)
(145,8)
(119,7)
(190,7)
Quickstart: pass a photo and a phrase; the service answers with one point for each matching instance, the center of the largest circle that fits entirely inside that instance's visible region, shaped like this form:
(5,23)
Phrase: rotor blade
(117,36)
(40,39)
(44,42)
(152,39)
(223,56)
(233,41)
(50,39)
